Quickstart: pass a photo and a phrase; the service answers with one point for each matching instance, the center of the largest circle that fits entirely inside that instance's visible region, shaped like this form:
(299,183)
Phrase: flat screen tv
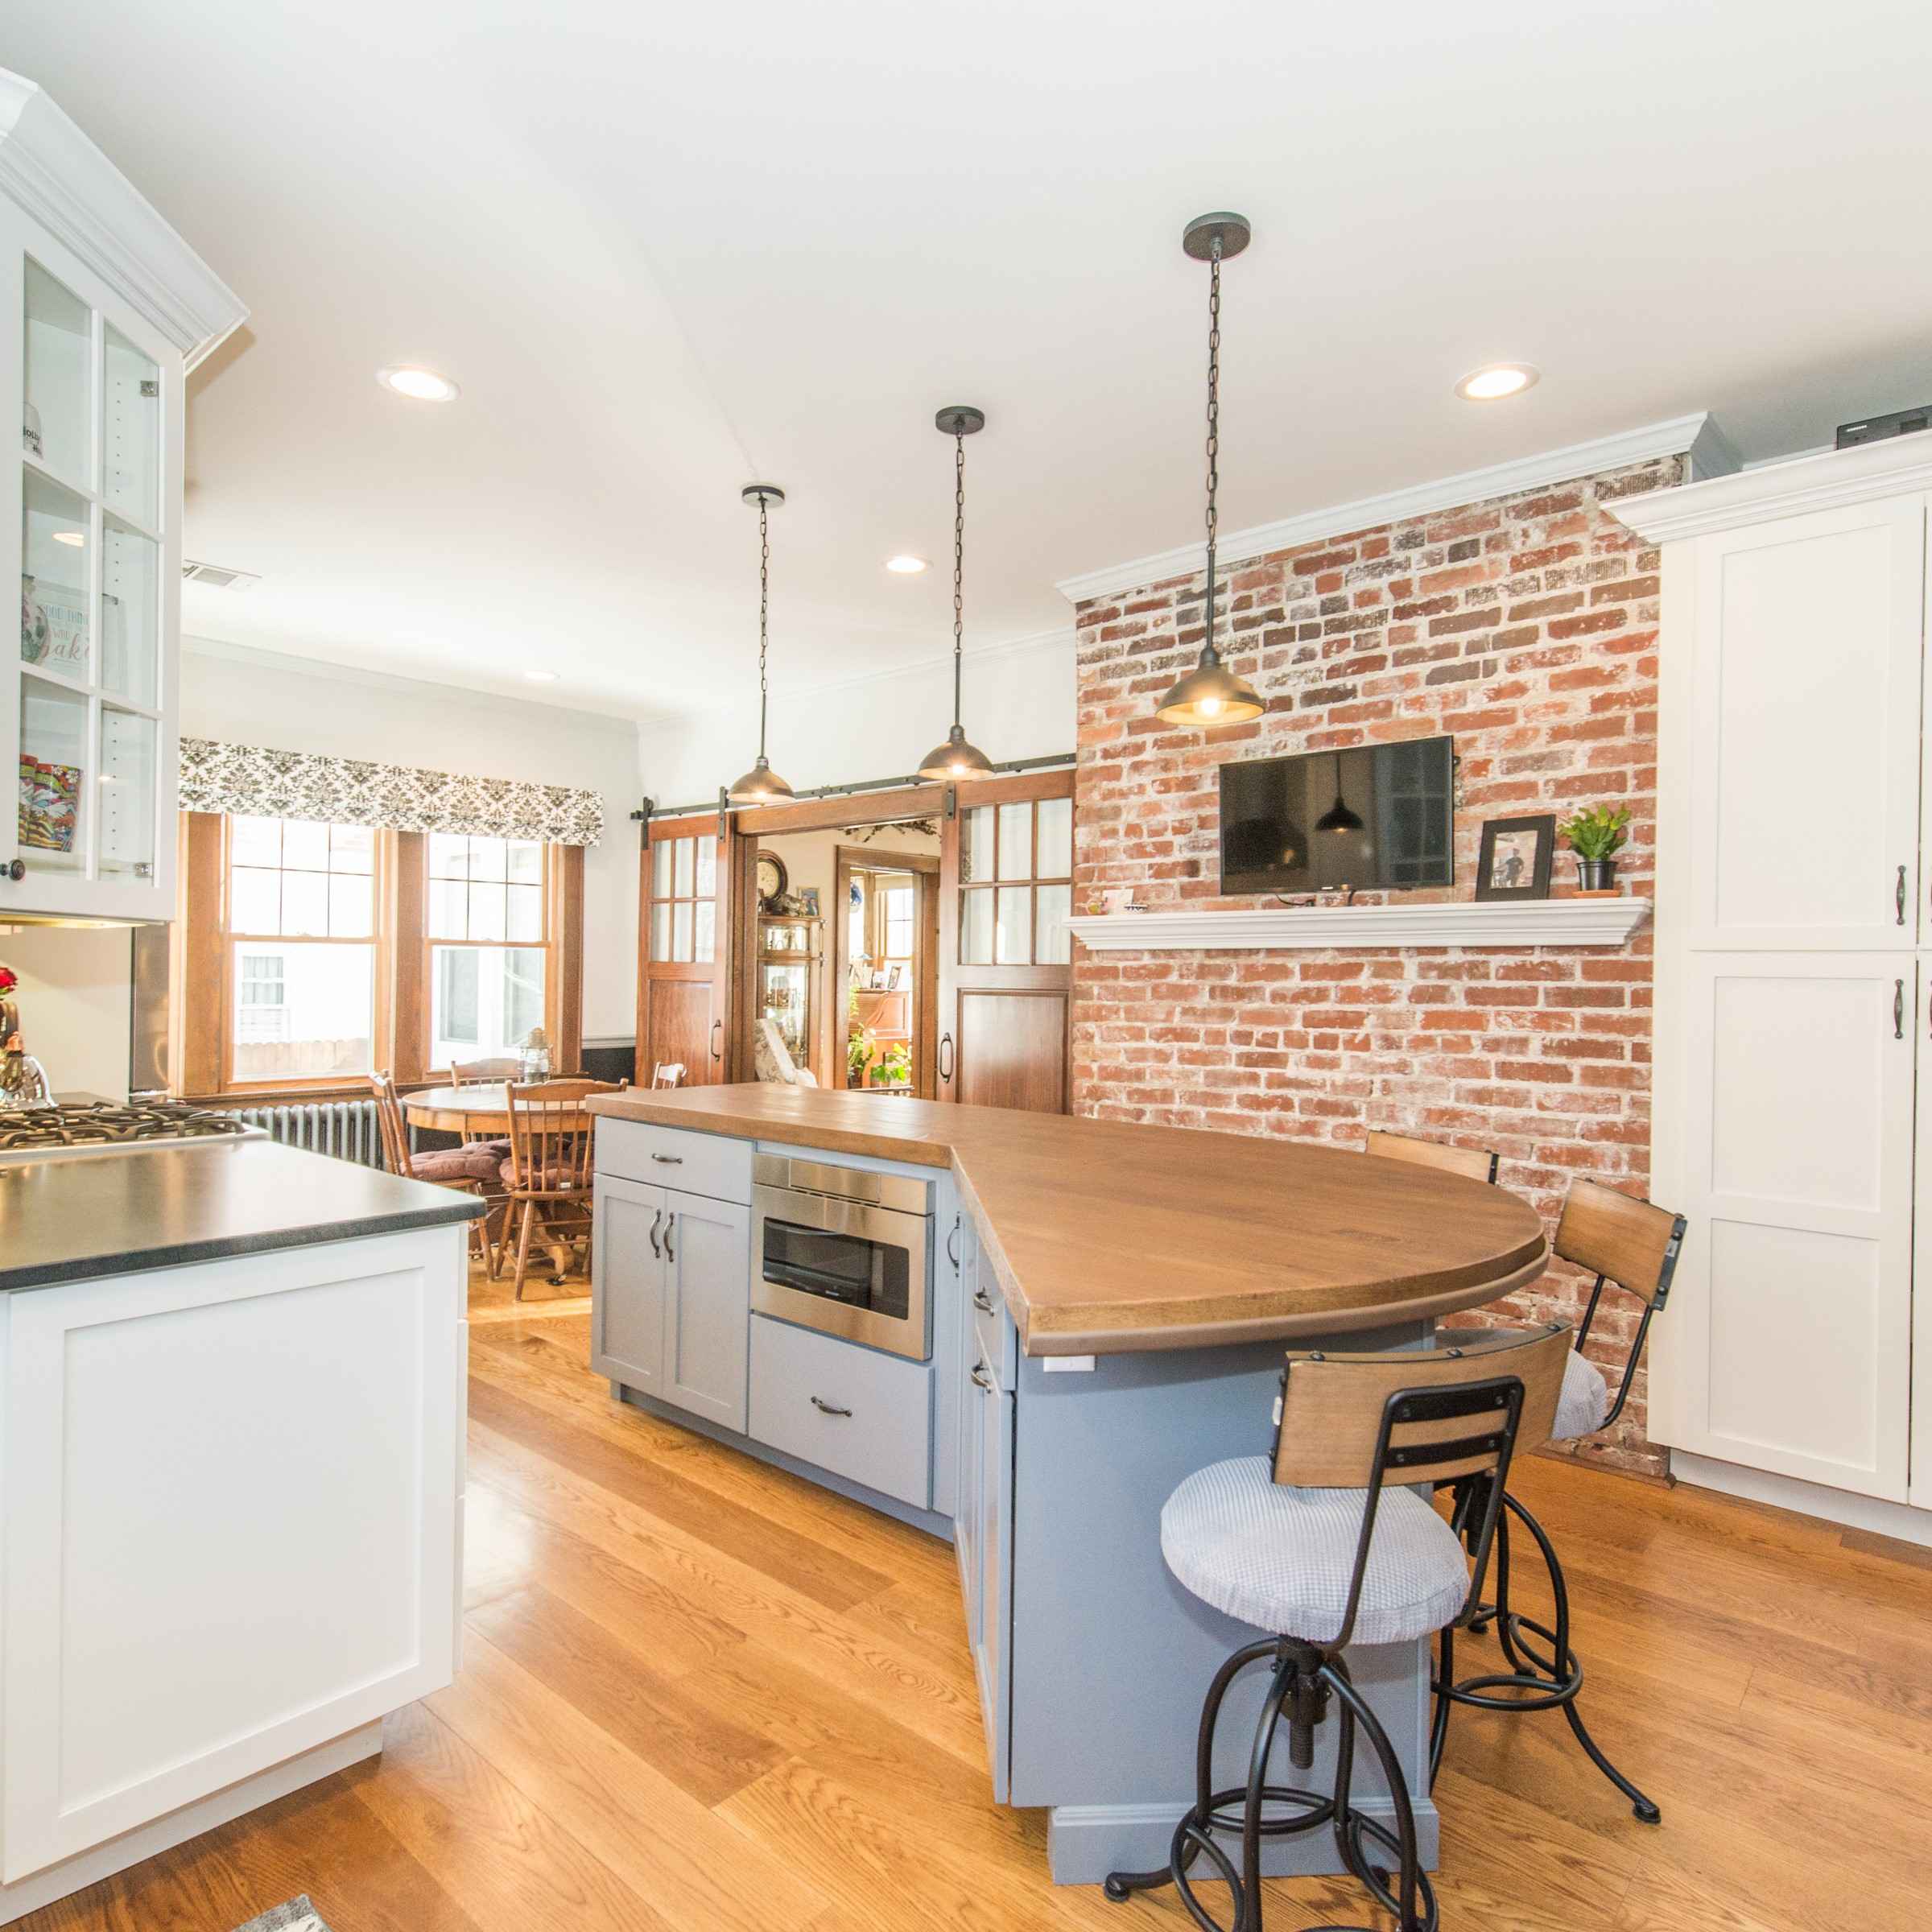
(1376,815)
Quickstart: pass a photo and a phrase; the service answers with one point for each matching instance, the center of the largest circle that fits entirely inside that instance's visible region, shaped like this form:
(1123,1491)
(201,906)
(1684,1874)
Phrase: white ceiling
(666,249)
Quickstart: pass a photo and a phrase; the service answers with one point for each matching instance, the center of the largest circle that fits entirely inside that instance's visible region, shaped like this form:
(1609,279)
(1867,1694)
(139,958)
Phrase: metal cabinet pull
(670,1221)
(1898,1010)
(717,1040)
(980,1301)
(952,1243)
(981,1381)
(1898,896)
(825,1408)
(657,1221)
(946,1058)
(669,1160)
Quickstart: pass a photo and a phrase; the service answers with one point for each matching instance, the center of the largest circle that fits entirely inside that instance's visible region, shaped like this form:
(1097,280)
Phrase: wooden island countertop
(1107,1237)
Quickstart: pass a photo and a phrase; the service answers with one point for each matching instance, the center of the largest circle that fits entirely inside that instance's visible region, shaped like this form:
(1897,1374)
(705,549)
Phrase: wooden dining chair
(470,1170)
(484,1073)
(1474,1163)
(668,1073)
(548,1174)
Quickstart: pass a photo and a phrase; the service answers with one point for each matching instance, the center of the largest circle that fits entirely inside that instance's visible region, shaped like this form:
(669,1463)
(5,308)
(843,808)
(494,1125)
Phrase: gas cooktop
(103,1127)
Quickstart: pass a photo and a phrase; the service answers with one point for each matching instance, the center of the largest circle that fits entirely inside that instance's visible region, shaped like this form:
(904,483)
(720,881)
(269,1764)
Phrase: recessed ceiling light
(541,677)
(77,538)
(1496,380)
(906,566)
(425,385)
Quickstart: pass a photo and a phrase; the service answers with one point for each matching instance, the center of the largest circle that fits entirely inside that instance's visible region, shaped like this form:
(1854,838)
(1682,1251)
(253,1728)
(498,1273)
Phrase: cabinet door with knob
(627,1284)
(1803,764)
(1791,1317)
(706,1305)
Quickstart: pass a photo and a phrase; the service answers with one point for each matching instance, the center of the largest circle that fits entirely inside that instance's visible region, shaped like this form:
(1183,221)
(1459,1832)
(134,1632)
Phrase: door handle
(825,1408)
(1898,896)
(981,1381)
(669,1160)
(1898,1010)
(657,1222)
(717,1032)
(945,1057)
(952,1243)
(980,1301)
(670,1253)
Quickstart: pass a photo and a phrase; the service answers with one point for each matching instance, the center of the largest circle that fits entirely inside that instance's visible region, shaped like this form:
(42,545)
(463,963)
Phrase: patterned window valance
(252,779)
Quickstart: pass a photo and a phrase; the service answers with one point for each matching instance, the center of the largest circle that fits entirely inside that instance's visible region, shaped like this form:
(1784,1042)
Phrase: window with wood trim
(310,955)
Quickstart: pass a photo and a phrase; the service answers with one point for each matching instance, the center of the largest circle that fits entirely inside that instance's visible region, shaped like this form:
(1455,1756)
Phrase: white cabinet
(671,1296)
(102,310)
(1795,852)
(233,1507)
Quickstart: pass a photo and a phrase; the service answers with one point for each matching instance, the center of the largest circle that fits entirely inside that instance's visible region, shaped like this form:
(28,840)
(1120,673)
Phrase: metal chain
(764,605)
(958,560)
(1214,424)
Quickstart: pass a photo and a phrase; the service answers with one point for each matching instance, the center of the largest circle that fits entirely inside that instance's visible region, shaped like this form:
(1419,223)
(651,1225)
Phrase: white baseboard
(86,1868)
(1868,1512)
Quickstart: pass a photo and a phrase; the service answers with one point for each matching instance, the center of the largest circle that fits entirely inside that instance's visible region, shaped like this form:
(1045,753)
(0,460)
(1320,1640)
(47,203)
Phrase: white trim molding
(1827,480)
(1710,451)
(1570,922)
(64,182)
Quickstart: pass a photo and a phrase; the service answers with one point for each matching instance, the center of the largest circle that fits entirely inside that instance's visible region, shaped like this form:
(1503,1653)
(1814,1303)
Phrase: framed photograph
(1516,858)
(808,901)
(893,978)
(878,980)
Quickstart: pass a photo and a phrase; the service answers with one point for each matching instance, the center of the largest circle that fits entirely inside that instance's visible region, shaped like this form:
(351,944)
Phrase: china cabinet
(791,959)
(103,309)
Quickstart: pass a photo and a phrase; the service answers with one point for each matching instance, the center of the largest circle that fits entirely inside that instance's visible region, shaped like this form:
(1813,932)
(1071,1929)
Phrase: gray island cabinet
(1047,1468)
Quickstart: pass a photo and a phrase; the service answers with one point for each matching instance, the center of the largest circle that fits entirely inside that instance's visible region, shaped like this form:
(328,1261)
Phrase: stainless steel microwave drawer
(859,1413)
(672,1156)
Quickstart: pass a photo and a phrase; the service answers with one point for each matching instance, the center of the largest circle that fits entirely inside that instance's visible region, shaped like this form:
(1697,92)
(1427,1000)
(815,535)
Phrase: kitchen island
(1106,1307)
(231,1462)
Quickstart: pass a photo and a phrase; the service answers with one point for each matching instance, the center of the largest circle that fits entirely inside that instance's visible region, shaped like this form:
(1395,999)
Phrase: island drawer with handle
(671,1157)
(861,1413)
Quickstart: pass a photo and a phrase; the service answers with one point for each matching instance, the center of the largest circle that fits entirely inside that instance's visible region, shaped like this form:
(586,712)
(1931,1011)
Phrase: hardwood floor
(698,1693)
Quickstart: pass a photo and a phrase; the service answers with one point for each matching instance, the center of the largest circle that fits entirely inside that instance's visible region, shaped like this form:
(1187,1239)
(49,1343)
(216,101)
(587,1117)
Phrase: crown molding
(1827,480)
(1710,451)
(1570,922)
(65,184)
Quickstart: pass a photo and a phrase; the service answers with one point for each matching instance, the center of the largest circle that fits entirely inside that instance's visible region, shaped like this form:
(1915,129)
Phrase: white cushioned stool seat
(1281,1558)
(1585,1402)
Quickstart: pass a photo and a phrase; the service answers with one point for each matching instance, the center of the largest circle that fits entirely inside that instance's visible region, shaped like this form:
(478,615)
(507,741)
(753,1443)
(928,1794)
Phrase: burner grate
(105,1124)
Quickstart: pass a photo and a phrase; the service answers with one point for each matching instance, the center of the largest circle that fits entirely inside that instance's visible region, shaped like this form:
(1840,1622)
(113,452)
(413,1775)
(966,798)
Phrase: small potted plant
(1596,835)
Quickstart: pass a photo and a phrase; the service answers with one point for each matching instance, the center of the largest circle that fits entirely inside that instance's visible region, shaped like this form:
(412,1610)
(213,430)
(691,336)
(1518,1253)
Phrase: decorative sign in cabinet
(103,309)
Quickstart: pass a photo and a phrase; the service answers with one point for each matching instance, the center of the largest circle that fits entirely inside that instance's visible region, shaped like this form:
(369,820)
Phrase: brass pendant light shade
(1211,694)
(761,786)
(958,757)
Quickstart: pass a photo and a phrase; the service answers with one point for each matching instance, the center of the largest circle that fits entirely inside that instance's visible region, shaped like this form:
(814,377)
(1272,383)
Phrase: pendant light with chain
(761,786)
(957,758)
(1211,694)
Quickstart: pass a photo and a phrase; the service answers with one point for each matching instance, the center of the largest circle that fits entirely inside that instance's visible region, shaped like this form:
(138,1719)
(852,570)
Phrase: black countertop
(72,1219)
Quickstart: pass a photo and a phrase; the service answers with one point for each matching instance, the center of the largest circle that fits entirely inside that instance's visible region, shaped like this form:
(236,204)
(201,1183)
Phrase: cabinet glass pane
(1056,838)
(127,794)
(975,844)
(1016,841)
(1013,943)
(976,927)
(53,578)
(1051,904)
(53,767)
(130,457)
(54,425)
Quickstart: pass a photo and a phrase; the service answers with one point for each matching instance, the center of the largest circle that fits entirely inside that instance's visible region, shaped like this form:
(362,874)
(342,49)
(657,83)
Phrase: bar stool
(1473,1163)
(1627,1244)
(1322,1544)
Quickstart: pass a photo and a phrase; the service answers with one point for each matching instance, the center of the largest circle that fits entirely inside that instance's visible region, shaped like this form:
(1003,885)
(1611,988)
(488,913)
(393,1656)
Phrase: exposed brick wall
(1526,627)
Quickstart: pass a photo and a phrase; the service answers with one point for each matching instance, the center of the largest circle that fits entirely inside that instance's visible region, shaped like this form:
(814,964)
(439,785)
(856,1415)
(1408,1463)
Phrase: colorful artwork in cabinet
(50,804)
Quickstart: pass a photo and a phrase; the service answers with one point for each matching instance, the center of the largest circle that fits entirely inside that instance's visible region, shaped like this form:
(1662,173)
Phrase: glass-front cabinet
(791,953)
(90,498)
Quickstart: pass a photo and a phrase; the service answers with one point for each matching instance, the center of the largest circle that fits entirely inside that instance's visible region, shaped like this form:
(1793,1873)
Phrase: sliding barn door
(1006,978)
(684,945)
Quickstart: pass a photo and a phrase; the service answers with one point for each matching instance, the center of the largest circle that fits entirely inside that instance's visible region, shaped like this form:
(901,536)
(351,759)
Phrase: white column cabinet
(1794,1058)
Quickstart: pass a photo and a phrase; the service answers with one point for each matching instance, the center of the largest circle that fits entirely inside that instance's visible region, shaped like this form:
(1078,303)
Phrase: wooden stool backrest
(1477,1163)
(551,1134)
(1630,1242)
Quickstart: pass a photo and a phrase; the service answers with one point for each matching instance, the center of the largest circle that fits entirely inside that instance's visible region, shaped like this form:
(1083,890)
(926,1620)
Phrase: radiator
(346,1128)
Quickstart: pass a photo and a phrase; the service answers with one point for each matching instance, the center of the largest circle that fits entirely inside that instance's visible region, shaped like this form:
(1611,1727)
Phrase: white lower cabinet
(670,1287)
(232,1499)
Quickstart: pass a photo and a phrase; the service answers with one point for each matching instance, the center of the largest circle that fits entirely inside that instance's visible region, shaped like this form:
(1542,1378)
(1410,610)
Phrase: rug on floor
(297,1915)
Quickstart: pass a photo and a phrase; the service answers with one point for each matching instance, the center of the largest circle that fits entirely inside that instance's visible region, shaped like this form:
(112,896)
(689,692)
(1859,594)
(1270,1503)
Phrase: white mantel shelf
(1572,921)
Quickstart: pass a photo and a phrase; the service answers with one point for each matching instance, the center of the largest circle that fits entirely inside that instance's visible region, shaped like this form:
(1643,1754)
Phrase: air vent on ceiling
(216,577)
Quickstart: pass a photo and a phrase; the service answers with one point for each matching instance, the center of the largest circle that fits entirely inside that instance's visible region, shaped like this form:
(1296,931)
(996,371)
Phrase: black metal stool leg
(1412,1902)
(1445,1679)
